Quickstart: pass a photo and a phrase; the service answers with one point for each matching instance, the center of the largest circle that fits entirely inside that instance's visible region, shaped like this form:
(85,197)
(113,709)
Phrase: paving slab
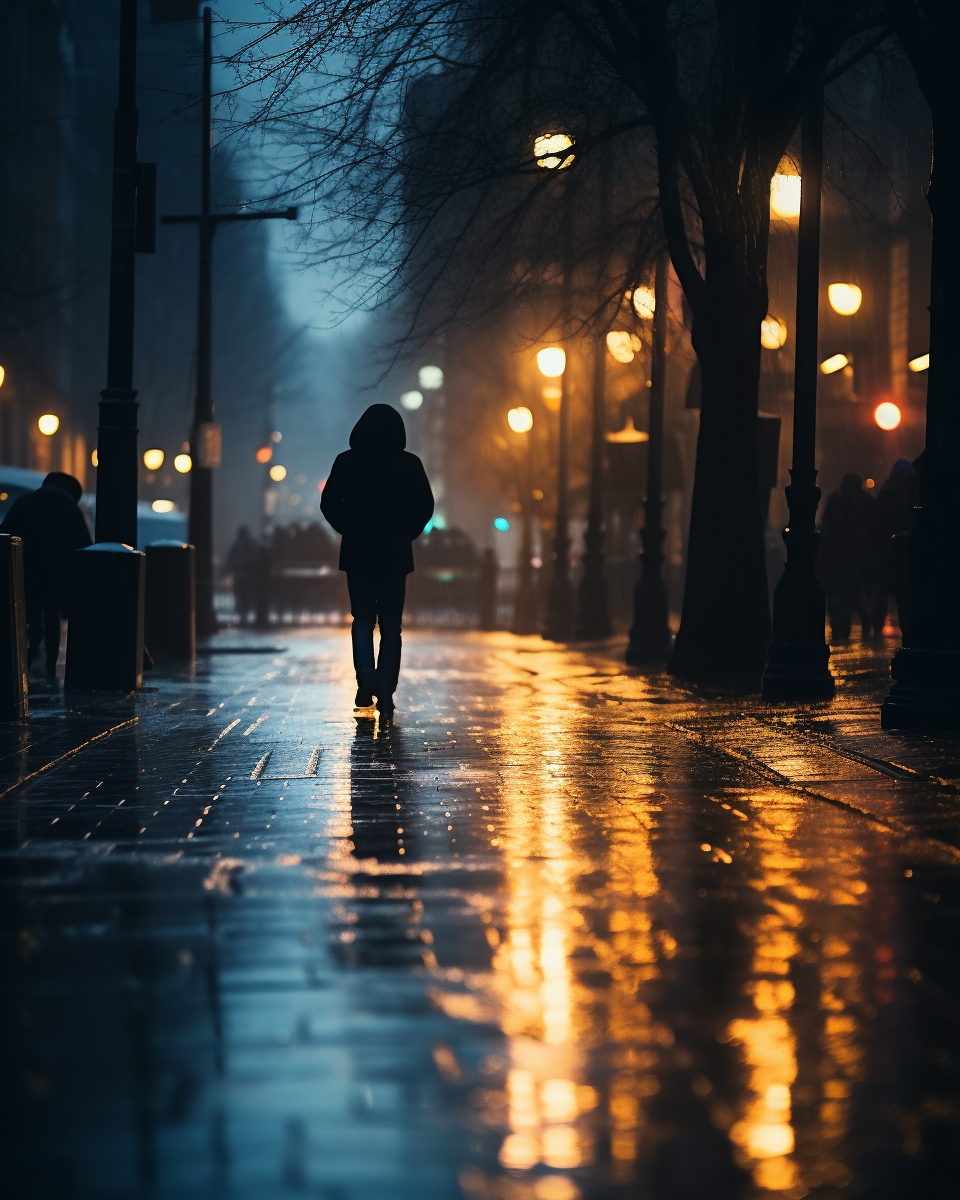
(562,930)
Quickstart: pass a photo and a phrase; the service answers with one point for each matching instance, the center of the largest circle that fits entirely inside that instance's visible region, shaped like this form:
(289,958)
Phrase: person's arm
(421,500)
(333,502)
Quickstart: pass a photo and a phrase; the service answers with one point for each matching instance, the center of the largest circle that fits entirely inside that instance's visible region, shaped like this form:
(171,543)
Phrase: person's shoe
(363,699)
(385,705)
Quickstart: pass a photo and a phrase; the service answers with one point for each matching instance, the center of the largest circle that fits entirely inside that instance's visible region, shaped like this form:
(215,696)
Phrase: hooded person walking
(378,498)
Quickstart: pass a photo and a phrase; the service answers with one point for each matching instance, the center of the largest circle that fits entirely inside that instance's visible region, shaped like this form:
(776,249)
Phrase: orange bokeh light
(264,454)
(887,415)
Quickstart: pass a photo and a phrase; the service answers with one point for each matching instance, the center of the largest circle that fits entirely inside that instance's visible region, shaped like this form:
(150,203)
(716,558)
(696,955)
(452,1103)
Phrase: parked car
(151,526)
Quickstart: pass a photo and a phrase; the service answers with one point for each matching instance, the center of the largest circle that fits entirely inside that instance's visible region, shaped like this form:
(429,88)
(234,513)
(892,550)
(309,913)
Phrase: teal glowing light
(502,524)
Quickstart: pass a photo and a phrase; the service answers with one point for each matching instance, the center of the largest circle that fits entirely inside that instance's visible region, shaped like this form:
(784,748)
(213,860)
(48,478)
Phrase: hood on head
(903,466)
(380,428)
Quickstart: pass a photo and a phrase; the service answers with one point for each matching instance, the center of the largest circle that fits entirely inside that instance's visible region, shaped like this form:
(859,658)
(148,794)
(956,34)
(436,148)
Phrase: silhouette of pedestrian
(242,559)
(52,527)
(896,505)
(378,498)
(847,558)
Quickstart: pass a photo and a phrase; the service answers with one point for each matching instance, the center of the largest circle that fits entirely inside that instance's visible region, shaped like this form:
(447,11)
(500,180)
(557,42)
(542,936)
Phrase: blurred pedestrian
(848,566)
(896,505)
(242,559)
(378,498)
(51,526)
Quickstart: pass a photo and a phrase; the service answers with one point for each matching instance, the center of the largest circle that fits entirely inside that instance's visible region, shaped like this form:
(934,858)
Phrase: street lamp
(551,361)
(549,151)
(430,378)
(887,415)
(48,424)
(183,464)
(623,346)
(278,473)
(773,332)
(153,459)
(644,303)
(785,193)
(845,298)
(520,420)
(798,655)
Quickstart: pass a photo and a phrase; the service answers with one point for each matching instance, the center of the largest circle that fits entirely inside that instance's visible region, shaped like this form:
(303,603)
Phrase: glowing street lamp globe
(163,506)
(552,361)
(520,419)
(153,460)
(644,303)
(548,149)
(48,424)
(785,196)
(845,298)
(430,378)
(887,415)
(412,400)
(623,346)
(183,463)
(773,332)
(278,473)
(833,364)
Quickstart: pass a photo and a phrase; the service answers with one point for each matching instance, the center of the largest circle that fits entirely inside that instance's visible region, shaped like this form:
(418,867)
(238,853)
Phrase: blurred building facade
(58,84)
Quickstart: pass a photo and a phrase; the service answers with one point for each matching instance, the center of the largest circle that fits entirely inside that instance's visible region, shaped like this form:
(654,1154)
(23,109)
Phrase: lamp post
(555,150)
(117,466)
(650,637)
(205,442)
(593,611)
(520,421)
(798,656)
(558,622)
(105,639)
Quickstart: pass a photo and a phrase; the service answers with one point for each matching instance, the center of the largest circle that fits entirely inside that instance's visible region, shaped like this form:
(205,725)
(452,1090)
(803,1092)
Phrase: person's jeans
(376,599)
(43,624)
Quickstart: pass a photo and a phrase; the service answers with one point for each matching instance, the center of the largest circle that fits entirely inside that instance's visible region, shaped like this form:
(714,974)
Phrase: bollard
(13,631)
(105,629)
(170,607)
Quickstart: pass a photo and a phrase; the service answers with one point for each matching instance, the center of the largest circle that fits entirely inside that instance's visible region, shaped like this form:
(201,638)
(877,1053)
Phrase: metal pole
(650,636)
(523,615)
(798,656)
(593,612)
(117,431)
(558,622)
(201,474)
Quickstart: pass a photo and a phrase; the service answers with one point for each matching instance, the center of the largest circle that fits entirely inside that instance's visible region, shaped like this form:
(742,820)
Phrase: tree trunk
(725,623)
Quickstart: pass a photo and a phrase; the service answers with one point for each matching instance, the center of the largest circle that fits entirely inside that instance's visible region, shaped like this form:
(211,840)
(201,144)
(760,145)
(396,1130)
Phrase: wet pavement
(559,931)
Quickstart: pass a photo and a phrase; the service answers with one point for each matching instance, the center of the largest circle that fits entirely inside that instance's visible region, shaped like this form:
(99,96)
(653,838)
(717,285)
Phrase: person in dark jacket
(896,511)
(243,558)
(378,498)
(848,566)
(51,527)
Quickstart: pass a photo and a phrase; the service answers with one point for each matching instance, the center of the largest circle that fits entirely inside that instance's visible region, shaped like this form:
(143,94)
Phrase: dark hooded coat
(377,497)
(52,527)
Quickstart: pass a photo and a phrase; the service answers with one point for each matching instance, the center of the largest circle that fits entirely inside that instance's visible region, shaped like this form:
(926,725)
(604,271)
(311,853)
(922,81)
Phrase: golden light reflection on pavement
(579,971)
